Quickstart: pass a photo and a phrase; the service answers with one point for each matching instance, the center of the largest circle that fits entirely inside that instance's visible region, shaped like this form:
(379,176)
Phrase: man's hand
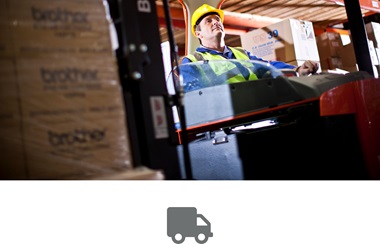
(308,67)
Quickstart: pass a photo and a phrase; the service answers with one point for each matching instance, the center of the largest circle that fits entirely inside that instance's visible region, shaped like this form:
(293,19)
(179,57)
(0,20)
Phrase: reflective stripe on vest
(229,67)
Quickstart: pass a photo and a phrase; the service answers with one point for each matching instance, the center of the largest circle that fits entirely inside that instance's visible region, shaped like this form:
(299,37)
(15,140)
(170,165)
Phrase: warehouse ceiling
(244,15)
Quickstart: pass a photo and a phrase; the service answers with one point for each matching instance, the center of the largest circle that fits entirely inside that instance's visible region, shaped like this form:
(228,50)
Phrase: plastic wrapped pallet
(63,92)
(57,28)
(12,158)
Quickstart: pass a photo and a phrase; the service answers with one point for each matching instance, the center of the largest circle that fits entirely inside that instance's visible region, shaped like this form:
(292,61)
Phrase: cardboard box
(8,84)
(9,96)
(331,63)
(57,109)
(61,140)
(138,173)
(329,45)
(348,55)
(3,12)
(80,148)
(66,74)
(68,89)
(12,157)
(12,161)
(60,27)
(349,58)
(73,117)
(9,112)
(6,41)
(285,41)
(351,68)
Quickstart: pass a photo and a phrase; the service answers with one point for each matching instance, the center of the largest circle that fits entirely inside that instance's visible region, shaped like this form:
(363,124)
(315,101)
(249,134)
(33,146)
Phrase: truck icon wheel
(178,238)
(201,238)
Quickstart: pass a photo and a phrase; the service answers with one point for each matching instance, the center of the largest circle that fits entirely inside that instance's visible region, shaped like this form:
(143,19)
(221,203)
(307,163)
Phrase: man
(207,26)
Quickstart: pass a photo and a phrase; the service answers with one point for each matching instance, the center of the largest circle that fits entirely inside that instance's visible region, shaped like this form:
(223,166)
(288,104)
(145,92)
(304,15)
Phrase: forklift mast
(147,102)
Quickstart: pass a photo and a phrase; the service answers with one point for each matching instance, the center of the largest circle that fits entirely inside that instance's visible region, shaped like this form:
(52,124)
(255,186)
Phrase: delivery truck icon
(182,223)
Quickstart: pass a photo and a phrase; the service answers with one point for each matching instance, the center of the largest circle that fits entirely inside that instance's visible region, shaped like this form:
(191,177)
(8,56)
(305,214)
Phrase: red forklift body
(332,132)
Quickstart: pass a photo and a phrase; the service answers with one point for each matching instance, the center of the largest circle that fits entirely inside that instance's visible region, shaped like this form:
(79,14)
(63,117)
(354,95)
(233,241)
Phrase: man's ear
(198,34)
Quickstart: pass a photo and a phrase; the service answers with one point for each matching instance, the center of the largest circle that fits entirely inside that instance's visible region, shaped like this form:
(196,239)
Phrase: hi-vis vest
(228,67)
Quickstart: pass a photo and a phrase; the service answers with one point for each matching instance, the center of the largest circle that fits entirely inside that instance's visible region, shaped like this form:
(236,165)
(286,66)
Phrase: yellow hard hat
(201,11)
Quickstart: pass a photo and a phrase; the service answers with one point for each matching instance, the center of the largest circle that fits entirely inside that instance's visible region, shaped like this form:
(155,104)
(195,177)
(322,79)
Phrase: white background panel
(246,212)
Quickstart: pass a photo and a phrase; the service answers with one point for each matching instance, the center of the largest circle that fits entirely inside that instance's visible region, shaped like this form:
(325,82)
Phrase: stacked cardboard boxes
(292,41)
(334,54)
(62,111)
(330,49)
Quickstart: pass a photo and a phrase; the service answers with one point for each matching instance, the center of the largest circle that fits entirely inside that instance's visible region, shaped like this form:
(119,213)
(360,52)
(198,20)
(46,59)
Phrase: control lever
(220,137)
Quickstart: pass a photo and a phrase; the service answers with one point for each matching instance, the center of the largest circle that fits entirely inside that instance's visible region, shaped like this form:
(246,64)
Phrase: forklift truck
(332,132)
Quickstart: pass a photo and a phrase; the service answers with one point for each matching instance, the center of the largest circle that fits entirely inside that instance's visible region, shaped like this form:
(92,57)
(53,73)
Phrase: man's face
(210,26)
